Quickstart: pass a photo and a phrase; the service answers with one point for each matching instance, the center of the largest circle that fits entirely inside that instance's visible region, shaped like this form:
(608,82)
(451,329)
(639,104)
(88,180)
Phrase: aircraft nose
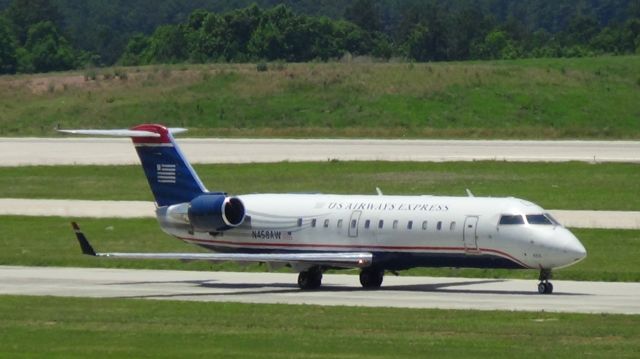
(573,248)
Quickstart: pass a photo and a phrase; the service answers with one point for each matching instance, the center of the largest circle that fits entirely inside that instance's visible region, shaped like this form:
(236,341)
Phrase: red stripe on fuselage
(355,247)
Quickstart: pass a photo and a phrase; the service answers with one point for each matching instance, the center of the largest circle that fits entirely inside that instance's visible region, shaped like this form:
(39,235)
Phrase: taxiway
(338,289)
(115,151)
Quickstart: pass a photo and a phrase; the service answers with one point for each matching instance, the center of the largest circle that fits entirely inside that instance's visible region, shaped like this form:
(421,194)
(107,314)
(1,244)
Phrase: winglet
(84,243)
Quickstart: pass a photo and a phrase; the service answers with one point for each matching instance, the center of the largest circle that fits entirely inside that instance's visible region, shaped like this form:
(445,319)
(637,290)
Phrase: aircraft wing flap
(337,259)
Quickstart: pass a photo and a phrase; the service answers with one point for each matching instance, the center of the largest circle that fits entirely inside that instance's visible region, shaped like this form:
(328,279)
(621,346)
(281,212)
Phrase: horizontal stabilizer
(122,132)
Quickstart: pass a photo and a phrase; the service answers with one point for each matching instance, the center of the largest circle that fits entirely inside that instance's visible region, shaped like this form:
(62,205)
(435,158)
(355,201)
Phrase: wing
(333,259)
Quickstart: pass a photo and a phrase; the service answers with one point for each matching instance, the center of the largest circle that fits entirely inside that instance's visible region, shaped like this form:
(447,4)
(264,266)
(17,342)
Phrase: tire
(371,278)
(542,288)
(310,279)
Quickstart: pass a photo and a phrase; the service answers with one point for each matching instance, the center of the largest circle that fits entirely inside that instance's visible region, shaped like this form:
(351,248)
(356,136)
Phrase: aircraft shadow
(238,289)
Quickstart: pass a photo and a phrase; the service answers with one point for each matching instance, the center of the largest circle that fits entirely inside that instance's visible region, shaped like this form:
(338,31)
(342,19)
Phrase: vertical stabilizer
(171,177)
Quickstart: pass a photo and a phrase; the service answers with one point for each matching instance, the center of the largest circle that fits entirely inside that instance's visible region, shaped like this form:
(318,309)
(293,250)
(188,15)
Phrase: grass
(541,98)
(126,328)
(49,241)
(551,185)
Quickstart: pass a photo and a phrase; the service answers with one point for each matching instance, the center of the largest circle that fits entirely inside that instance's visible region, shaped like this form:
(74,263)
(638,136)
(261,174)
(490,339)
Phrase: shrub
(262,67)
(90,74)
(121,74)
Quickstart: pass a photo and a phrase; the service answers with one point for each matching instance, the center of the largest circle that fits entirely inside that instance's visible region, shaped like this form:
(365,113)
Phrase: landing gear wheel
(545,287)
(310,278)
(371,278)
(542,288)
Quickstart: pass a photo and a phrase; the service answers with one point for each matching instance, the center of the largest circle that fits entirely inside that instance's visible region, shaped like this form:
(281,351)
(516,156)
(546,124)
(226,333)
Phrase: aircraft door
(354,223)
(470,234)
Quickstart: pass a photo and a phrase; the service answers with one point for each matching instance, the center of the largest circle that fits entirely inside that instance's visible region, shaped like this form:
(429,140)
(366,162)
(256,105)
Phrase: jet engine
(215,212)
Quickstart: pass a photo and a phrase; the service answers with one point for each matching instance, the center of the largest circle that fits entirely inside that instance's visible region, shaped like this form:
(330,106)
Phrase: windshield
(511,219)
(539,219)
(555,222)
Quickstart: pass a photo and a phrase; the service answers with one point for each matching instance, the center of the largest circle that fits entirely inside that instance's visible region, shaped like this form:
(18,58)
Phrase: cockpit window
(553,220)
(511,219)
(538,219)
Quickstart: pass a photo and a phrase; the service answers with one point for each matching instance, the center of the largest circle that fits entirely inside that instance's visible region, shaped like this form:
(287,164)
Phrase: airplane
(312,233)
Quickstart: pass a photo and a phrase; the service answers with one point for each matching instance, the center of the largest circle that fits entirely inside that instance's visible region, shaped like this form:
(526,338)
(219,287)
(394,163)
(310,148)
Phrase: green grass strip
(532,98)
(612,254)
(124,328)
(574,185)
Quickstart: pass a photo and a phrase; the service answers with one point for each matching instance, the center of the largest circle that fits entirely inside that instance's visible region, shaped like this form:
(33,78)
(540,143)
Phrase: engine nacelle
(215,212)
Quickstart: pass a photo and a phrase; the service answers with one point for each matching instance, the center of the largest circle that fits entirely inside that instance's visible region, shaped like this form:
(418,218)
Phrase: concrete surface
(106,151)
(405,292)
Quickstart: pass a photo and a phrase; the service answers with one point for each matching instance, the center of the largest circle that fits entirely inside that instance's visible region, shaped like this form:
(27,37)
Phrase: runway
(405,292)
(117,151)
(141,209)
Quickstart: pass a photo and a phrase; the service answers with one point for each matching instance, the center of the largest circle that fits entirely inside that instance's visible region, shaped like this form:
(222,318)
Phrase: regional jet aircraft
(315,232)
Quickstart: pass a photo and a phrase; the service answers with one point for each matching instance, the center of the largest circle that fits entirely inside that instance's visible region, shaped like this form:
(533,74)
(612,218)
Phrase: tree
(416,44)
(210,39)
(26,13)
(365,14)
(269,39)
(240,26)
(167,45)
(48,50)
(134,52)
(581,30)
(631,36)
(497,45)
(8,59)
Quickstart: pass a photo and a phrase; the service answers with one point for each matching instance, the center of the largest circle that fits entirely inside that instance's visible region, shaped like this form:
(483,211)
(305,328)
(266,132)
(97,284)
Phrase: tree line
(35,35)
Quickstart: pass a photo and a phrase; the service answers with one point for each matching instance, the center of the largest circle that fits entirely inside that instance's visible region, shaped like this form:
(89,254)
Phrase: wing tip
(85,246)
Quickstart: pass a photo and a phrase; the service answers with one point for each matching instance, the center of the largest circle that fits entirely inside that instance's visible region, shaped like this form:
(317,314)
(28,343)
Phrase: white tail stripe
(154,145)
(166,173)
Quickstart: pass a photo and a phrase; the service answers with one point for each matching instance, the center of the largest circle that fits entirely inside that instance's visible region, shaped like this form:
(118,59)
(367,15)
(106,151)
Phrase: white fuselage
(401,231)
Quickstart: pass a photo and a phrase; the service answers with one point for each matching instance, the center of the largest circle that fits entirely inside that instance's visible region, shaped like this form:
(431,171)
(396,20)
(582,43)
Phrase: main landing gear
(371,278)
(310,278)
(545,287)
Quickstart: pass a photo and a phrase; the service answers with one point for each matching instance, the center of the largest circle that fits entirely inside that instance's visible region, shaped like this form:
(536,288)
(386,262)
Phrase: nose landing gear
(545,287)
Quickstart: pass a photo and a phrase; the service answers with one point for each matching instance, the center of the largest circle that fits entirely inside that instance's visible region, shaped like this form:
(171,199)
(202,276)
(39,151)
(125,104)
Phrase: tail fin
(170,176)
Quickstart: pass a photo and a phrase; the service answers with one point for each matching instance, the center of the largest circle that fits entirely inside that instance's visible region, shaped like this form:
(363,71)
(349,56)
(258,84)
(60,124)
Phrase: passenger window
(424,225)
(353,223)
(511,219)
(409,224)
(313,222)
(452,226)
(339,223)
(395,224)
(326,223)
(367,223)
(439,226)
(380,224)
